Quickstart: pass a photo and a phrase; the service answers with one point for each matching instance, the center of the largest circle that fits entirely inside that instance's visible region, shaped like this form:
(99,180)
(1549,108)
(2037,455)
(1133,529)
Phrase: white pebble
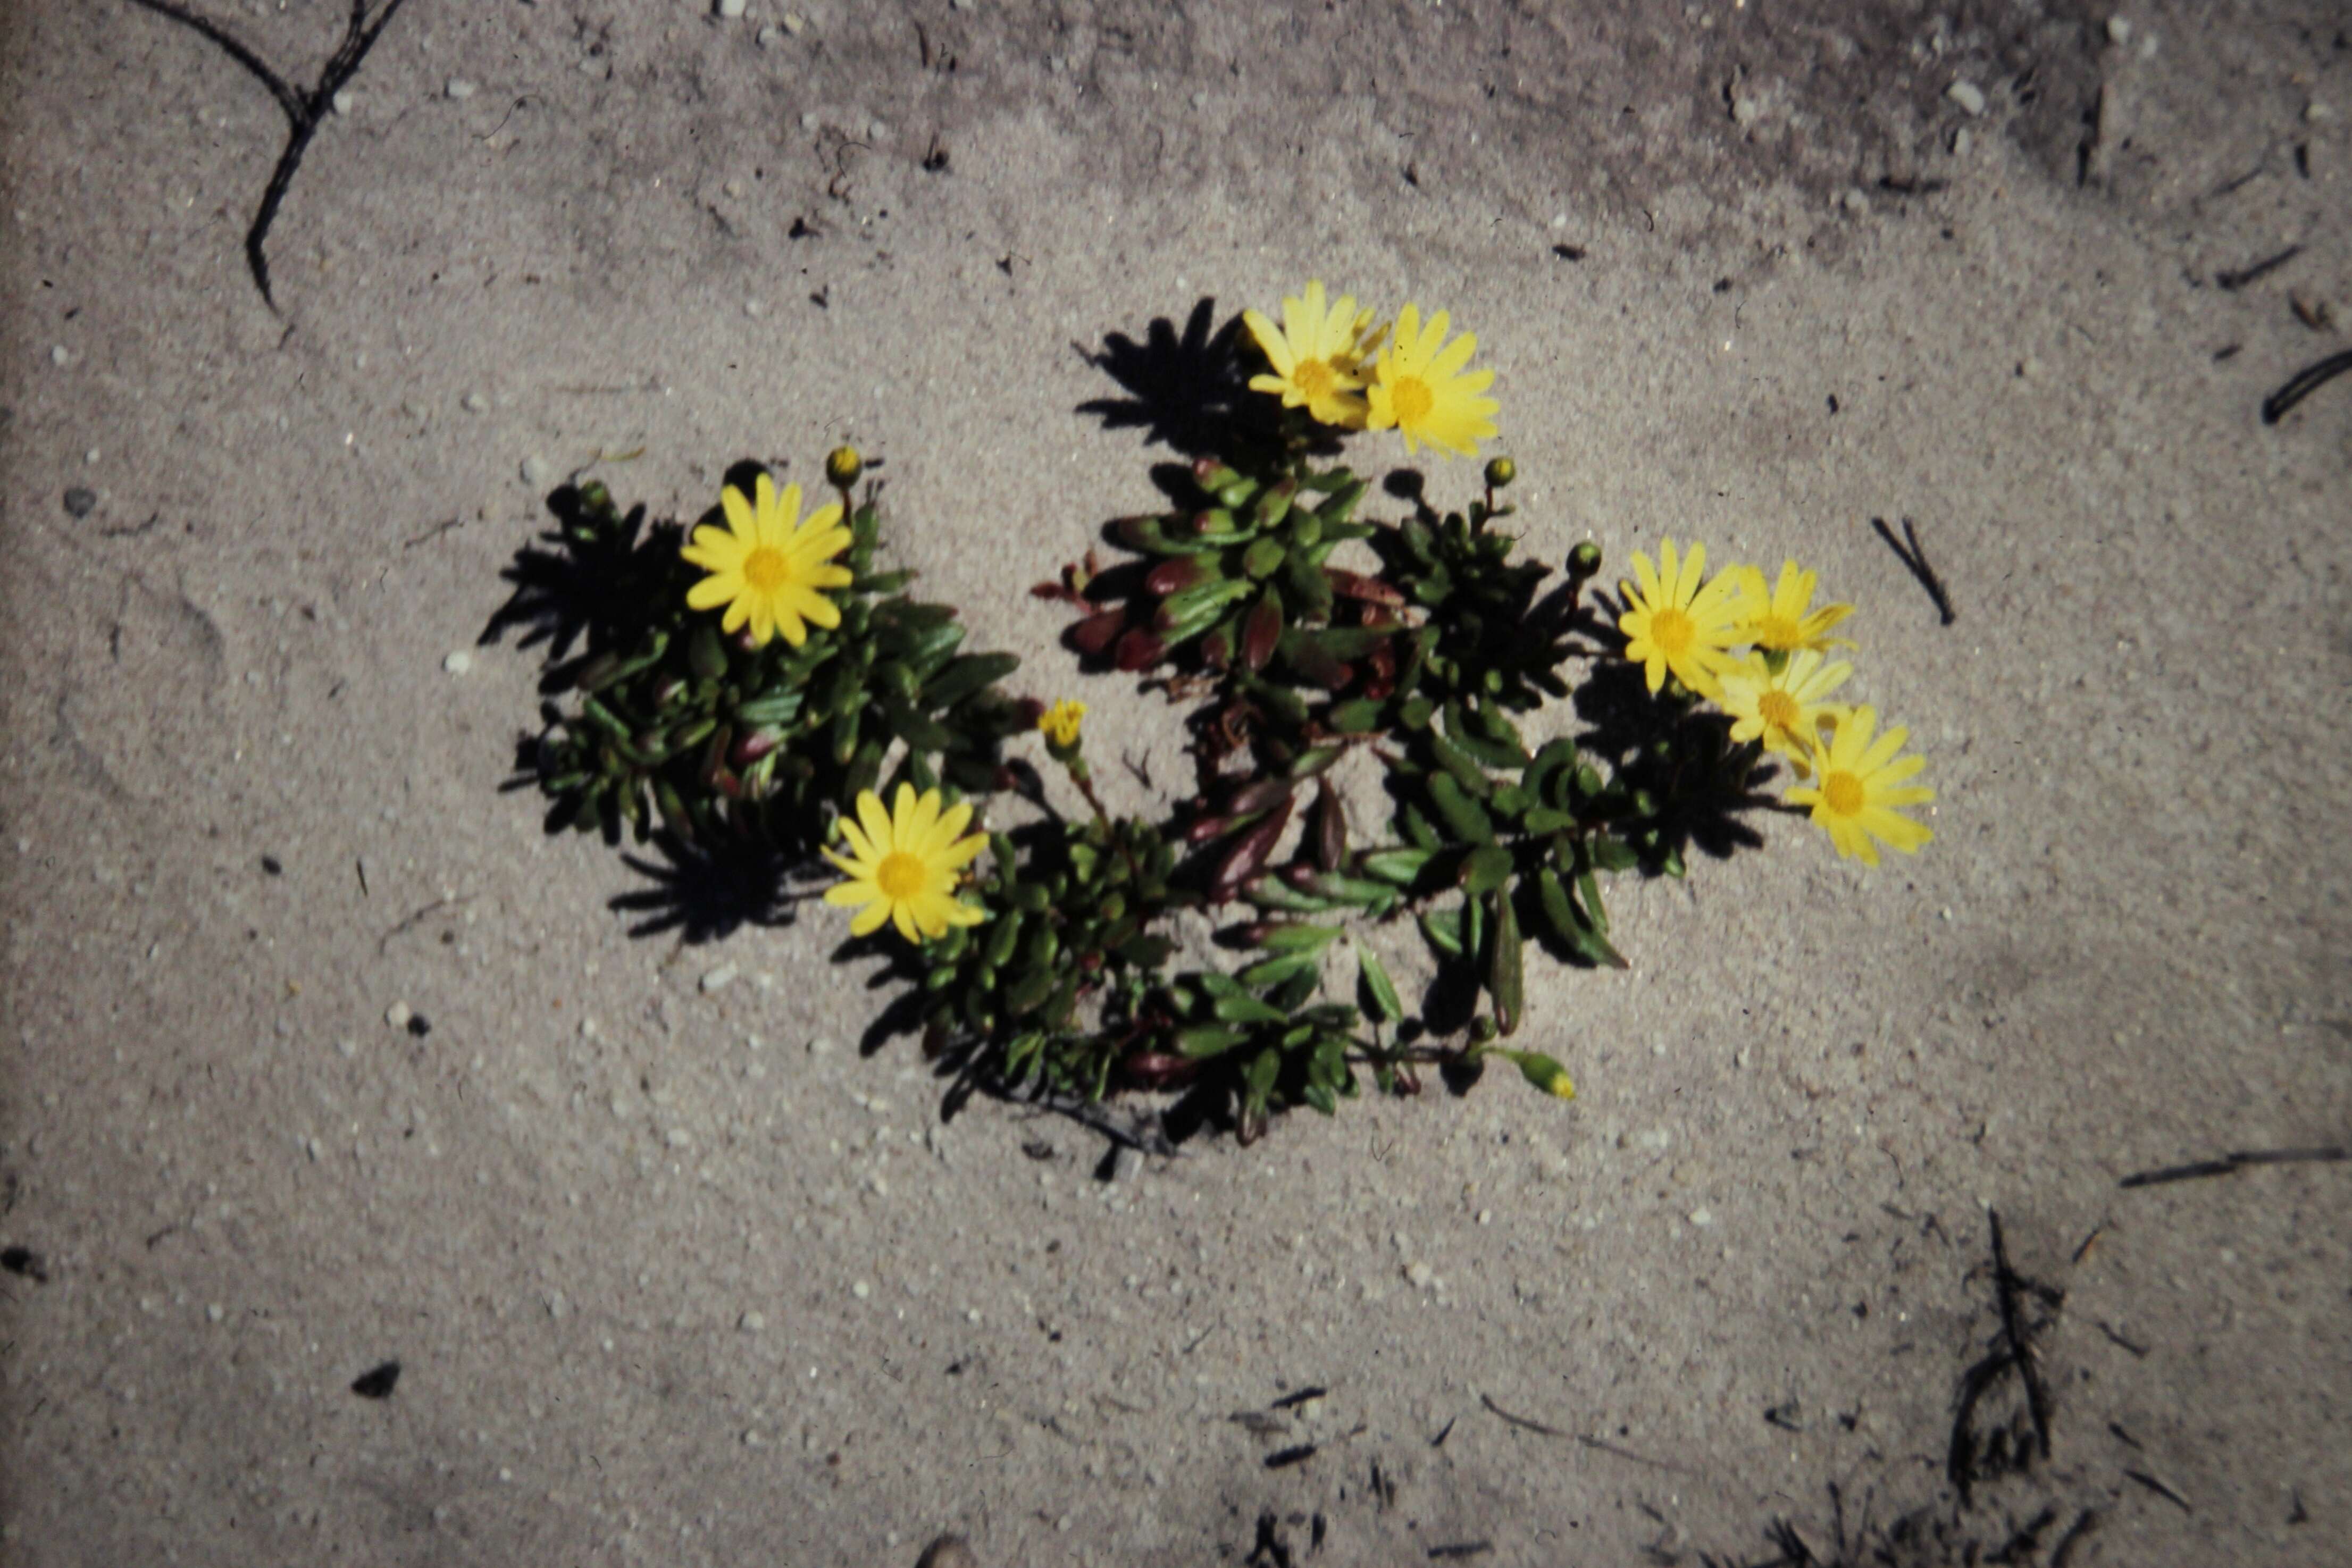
(346,101)
(730,9)
(2119,30)
(765,37)
(878,130)
(397,1015)
(2317,112)
(537,470)
(1969,95)
(811,119)
(861,1290)
(476,402)
(794,21)
(678,1138)
(557,1307)
(60,356)
(347,1048)
(459,88)
(719,978)
(754,310)
(1419,1275)
(1854,202)
(1702,1217)
(215,1312)
(752,1439)
(820,1046)
(1311,1410)
(752,1322)
(964,5)
(458,663)
(971,1314)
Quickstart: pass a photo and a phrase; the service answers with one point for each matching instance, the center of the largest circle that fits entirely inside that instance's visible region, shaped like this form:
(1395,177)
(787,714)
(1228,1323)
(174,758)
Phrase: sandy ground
(676,1275)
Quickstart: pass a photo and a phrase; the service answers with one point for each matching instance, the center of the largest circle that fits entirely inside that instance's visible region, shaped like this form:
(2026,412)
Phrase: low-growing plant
(1529,739)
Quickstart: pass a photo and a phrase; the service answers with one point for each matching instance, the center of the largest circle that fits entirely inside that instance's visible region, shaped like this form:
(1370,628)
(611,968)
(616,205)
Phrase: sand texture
(676,1273)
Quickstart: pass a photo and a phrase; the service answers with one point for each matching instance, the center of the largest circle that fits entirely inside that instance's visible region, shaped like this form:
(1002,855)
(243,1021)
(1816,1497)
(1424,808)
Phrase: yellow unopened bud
(1542,1072)
(842,466)
(1500,471)
(1060,723)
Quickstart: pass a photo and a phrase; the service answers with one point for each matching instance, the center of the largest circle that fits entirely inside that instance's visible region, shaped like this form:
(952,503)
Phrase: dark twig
(1521,1422)
(1915,560)
(2234,281)
(2160,1489)
(2308,380)
(2021,1348)
(1608,1448)
(2230,1163)
(303,111)
(2063,1552)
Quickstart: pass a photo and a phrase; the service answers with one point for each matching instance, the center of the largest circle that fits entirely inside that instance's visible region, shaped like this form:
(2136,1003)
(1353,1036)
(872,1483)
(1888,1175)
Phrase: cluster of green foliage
(1432,658)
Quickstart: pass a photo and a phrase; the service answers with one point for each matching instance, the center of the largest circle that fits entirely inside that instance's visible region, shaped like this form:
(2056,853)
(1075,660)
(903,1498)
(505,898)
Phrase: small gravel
(397,1015)
(458,663)
(61,356)
(346,101)
(795,23)
(459,88)
(730,9)
(537,471)
(476,403)
(80,501)
(719,978)
(1969,95)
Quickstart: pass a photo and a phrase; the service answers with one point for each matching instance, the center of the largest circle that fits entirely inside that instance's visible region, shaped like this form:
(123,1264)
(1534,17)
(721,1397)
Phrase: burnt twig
(2230,1163)
(1521,1422)
(2160,1488)
(303,110)
(1915,560)
(2006,1284)
(2308,380)
(2234,281)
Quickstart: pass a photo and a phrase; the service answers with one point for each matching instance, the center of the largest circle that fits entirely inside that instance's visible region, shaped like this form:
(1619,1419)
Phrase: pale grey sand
(320,1054)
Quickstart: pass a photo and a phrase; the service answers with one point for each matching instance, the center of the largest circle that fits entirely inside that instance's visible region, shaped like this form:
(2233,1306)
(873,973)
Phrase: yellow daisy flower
(1419,389)
(1860,785)
(1316,355)
(1781,619)
(1785,709)
(767,566)
(1675,624)
(902,866)
(1060,722)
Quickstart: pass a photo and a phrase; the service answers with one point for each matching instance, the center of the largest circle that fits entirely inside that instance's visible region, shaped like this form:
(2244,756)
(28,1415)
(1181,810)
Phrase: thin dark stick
(1609,1448)
(2234,281)
(2308,380)
(1521,1422)
(2063,1552)
(303,111)
(2020,1349)
(1915,560)
(2160,1489)
(2230,1163)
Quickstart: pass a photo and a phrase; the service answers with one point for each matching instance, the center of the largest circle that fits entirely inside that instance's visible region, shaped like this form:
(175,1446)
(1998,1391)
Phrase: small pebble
(678,1138)
(730,9)
(752,1322)
(878,130)
(794,21)
(458,663)
(1702,1217)
(459,88)
(2317,112)
(1854,202)
(964,5)
(811,119)
(476,403)
(1419,1275)
(61,356)
(215,1313)
(397,1015)
(80,501)
(346,101)
(537,471)
(754,310)
(861,1290)
(1311,1410)
(2119,30)
(752,1439)
(1198,99)
(719,978)
(765,37)
(820,1046)
(1969,95)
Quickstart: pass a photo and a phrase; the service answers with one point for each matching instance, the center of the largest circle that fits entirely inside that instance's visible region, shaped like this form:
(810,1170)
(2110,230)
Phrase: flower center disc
(1314,378)
(1672,630)
(900,875)
(1779,709)
(766,568)
(1411,399)
(1843,793)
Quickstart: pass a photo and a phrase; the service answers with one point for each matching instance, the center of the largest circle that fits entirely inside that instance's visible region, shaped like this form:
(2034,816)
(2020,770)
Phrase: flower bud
(843,466)
(1500,471)
(1584,560)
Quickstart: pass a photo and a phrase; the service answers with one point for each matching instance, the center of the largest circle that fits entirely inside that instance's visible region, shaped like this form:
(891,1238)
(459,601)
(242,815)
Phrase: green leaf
(965,674)
(1379,993)
(1264,1069)
(1245,1009)
(1209,1040)
(1443,927)
(1543,820)
(1507,965)
(1466,818)
(1459,765)
(1610,853)
(1276,971)
(1401,867)
(1298,939)
(1358,715)
(1488,868)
